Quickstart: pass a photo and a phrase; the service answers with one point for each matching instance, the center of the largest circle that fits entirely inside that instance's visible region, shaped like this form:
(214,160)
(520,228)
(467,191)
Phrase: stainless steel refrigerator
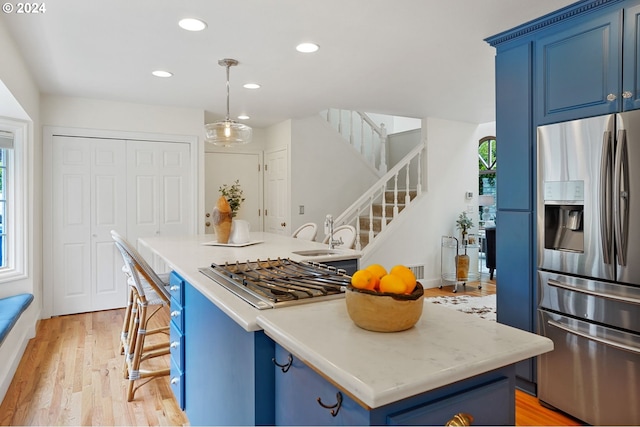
(588,226)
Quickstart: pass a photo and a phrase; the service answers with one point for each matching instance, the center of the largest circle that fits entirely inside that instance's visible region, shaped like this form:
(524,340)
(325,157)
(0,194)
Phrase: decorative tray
(233,245)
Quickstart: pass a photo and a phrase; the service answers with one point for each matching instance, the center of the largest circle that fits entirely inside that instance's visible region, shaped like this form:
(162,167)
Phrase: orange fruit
(392,284)
(377,270)
(406,275)
(363,279)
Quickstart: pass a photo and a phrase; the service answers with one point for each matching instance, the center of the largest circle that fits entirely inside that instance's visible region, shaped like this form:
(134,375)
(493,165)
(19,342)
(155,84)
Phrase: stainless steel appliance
(275,283)
(588,221)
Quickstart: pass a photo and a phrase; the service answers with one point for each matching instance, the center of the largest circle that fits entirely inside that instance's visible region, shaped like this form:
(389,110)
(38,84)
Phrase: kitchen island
(225,372)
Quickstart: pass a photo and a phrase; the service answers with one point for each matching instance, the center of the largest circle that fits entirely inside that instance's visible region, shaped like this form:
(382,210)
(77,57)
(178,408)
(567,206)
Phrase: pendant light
(227,132)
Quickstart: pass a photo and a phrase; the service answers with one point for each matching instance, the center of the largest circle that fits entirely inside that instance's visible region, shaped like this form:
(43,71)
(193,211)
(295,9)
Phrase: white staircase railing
(409,170)
(369,139)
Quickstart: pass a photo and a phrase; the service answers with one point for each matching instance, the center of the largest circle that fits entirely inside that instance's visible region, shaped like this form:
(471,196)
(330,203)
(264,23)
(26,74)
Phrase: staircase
(375,223)
(386,200)
(362,134)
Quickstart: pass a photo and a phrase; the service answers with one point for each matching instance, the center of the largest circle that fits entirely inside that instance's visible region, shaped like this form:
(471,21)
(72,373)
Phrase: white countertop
(186,254)
(445,346)
(378,368)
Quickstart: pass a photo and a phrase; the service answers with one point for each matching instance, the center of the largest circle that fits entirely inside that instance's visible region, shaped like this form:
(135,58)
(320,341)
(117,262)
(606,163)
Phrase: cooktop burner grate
(271,283)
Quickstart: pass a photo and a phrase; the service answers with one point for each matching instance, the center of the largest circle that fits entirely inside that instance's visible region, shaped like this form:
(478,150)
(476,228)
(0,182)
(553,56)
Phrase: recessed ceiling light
(244,117)
(307,47)
(251,86)
(192,24)
(161,73)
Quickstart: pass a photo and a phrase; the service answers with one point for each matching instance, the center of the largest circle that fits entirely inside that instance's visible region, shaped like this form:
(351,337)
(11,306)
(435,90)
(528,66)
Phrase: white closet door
(159,198)
(88,201)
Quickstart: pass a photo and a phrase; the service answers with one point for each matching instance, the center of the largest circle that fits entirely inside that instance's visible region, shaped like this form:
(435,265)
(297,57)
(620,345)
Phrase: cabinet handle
(283,224)
(174,288)
(286,366)
(174,344)
(460,419)
(175,380)
(334,408)
(611,97)
(627,94)
(175,313)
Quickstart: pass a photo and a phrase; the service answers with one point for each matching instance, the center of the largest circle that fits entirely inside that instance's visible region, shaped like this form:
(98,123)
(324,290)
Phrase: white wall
(452,170)
(328,175)
(20,99)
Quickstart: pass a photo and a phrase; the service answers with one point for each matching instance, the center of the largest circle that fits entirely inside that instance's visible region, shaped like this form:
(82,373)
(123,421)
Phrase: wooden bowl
(384,312)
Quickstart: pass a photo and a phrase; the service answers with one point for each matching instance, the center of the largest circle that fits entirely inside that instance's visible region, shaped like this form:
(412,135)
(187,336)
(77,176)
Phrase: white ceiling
(413,58)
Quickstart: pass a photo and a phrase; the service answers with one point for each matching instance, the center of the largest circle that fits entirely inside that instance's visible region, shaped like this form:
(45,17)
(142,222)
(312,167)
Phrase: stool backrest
(138,266)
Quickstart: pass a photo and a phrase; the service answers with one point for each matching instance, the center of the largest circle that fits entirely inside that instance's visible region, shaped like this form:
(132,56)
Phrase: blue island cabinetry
(304,397)
(223,375)
(228,377)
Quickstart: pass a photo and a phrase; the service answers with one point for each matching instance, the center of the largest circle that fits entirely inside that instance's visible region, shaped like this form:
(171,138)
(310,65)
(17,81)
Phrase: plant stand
(451,271)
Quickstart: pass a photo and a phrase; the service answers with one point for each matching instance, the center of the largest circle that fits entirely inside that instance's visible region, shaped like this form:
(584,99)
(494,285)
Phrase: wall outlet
(301,210)
(469,194)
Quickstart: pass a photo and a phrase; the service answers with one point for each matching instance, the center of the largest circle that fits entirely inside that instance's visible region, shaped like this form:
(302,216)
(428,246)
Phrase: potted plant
(463,224)
(227,229)
(233,194)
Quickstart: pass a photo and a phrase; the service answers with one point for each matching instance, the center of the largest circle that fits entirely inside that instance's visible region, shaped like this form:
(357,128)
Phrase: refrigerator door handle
(600,340)
(605,201)
(621,196)
(607,295)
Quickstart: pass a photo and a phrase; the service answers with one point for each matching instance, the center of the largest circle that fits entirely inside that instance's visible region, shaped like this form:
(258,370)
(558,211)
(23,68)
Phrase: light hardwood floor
(71,374)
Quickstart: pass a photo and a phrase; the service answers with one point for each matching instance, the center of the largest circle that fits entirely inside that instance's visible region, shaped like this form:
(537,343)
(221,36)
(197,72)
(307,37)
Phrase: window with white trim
(13,199)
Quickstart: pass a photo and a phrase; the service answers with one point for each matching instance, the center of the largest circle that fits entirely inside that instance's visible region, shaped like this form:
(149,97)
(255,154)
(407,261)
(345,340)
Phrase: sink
(317,252)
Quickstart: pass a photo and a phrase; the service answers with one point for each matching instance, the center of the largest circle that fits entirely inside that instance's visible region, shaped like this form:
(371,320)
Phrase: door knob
(207,215)
(208,224)
(283,224)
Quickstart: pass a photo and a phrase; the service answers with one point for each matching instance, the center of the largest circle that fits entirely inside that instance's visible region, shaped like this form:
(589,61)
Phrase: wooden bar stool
(147,295)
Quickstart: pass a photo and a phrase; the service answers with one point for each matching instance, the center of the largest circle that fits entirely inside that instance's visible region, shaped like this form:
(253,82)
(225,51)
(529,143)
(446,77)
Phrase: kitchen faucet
(328,229)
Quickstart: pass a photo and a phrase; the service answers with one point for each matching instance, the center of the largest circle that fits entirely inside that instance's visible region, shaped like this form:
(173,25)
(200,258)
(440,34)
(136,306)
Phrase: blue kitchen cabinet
(489,398)
(559,67)
(578,66)
(228,372)
(514,237)
(631,58)
(176,337)
(513,129)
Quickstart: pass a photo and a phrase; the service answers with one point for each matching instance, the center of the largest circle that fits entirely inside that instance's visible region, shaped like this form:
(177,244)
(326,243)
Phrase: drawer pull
(286,366)
(175,313)
(174,344)
(460,419)
(174,288)
(175,380)
(334,408)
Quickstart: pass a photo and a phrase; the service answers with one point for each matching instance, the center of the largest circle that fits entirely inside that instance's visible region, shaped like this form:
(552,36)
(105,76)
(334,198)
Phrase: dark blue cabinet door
(578,69)
(513,124)
(515,266)
(631,55)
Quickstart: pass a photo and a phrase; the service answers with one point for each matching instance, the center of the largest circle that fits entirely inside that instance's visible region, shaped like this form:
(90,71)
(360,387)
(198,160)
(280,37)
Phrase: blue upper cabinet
(513,127)
(631,62)
(578,68)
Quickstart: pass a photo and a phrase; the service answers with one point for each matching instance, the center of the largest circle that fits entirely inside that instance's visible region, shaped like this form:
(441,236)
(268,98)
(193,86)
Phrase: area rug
(483,307)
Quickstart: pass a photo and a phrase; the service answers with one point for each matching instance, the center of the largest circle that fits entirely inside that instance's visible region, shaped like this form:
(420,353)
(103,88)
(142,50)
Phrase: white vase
(239,231)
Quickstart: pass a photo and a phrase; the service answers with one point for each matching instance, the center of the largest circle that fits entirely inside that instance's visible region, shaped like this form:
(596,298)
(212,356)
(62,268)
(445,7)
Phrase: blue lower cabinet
(229,372)
(303,397)
(176,381)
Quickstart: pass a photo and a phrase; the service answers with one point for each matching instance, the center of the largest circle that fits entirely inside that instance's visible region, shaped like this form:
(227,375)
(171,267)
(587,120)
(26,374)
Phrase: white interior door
(159,200)
(225,168)
(88,201)
(276,176)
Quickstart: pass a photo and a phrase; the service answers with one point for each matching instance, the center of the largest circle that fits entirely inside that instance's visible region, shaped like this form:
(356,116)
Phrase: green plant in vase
(463,224)
(233,194)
